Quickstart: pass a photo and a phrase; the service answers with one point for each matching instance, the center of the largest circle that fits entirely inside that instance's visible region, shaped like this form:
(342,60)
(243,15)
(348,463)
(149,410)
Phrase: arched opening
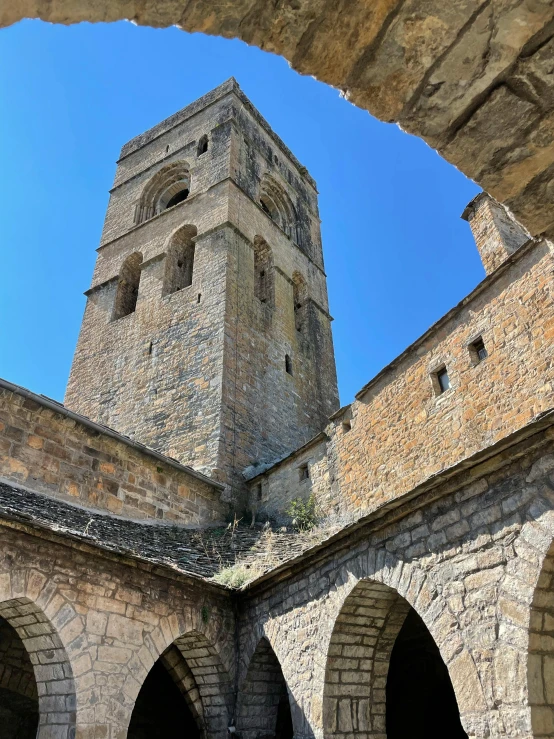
(382,662)
(202,145)
(276,203)
(128,286)
(197,693)
(300,300)
(19,711)
(164,709)
(37,691)
(263,272)
(179,260)
(420,698)
(263,707)
(170,186)
(180,195)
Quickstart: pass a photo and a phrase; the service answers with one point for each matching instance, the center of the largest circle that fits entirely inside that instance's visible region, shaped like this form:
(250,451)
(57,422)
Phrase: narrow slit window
(288,364)
(478,350)
(259,491)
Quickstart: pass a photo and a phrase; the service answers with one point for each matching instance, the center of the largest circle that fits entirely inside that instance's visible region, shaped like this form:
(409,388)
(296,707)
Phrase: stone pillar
(496,233)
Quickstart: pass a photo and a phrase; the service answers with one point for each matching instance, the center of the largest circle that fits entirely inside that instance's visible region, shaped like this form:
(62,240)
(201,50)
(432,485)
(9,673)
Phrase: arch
(179,260)
(168,187)
(540,667)
(127,286)
(52,686)
(168,702)
(264,278)
(373,620)
(195,667)
(300,301)
(202,145)
(278,205)
(263,705)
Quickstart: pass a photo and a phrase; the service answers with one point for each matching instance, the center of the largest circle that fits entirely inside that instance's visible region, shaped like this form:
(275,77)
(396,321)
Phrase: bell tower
(206,333)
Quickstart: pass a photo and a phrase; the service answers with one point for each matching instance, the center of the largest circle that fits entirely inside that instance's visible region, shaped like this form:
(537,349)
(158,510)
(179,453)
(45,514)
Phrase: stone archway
(190,679)
(44,676)
(263,705)
(168,704)
(366,661)
(472,79)
(540,666)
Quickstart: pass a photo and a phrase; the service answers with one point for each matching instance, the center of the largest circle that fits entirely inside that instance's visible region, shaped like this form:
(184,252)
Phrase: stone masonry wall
(470,555)
(399,431)
(94,627)
(496,233)
(58,455)
(200,374)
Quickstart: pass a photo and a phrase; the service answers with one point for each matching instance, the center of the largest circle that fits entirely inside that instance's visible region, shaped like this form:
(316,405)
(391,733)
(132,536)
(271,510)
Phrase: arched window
(179,260)
(263,272)
(300,299)
(202,145)
(128,286)
(170,186)
(278,206)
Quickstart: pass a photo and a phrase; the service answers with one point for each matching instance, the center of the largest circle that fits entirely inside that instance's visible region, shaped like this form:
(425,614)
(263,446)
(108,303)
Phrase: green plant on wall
(205,614)
(303,513)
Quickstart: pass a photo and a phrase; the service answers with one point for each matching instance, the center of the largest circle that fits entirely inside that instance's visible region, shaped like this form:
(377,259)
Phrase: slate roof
(199,552)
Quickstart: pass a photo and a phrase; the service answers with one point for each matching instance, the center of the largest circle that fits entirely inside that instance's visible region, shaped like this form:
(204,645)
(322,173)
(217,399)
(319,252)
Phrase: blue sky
(397,254)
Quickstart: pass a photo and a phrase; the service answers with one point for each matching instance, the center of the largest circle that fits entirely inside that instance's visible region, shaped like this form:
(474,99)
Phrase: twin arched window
(278,206)
(170,186)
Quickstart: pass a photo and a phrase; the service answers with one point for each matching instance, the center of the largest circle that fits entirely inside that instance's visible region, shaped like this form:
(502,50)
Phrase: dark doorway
(420,698)
(161,711)
(283,726)
(18,691)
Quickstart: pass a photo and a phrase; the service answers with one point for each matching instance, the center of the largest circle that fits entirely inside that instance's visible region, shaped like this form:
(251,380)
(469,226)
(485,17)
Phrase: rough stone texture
(93,627)
(443,502)
(400,431)
(200,373)
(44,448)
(496,233)
(470,556)
(471,78)
(199,552)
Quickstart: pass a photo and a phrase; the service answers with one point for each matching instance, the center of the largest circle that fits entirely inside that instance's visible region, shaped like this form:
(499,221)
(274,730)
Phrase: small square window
(303,472)
(444,380)
(346,426)
(478,350)
(441,381)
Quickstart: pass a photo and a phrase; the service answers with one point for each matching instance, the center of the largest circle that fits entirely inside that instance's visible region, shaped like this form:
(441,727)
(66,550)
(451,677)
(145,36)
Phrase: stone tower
(206,333)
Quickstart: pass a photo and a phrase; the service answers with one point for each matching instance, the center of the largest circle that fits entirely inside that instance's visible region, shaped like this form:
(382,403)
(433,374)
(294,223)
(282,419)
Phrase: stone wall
(58,454)
(94,627)
(496,233)
(471,555)
(201,373)
(402,430)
